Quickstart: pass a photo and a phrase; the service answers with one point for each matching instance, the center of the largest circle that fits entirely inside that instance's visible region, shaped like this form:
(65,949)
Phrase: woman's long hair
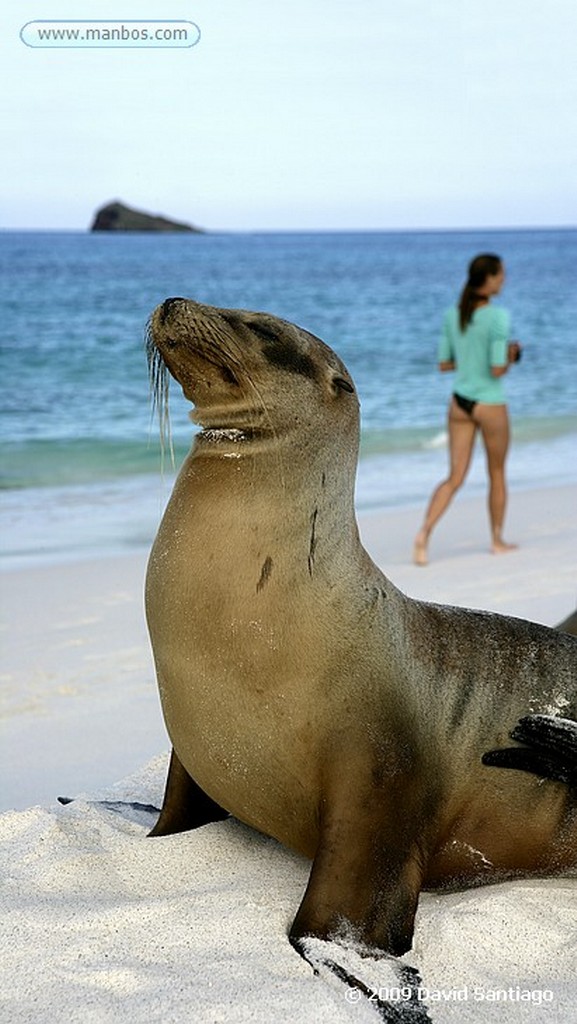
(479,270)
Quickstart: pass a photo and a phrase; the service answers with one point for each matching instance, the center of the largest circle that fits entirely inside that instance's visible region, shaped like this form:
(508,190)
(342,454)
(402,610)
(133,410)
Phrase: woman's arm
(446,366)
(513,356)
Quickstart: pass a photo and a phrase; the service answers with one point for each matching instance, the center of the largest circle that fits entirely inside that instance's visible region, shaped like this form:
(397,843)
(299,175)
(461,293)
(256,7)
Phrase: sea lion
(302,691)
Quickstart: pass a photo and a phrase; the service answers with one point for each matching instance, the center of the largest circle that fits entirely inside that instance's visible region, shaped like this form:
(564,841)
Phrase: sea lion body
(302,691)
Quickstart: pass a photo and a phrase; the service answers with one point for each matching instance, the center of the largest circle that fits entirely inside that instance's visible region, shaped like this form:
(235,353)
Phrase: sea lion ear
(343,385)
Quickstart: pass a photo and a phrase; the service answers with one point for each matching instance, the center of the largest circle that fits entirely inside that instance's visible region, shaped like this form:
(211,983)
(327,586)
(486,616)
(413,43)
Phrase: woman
(475,344)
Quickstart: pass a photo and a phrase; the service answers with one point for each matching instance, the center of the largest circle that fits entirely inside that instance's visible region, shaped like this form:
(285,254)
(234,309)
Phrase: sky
(302,115)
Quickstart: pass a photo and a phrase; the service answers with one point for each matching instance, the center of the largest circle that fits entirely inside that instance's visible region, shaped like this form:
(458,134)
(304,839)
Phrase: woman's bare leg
(493,421)
(462,430)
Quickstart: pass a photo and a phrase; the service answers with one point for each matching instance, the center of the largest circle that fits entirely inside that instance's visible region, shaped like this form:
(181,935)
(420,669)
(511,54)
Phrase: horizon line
(301,231)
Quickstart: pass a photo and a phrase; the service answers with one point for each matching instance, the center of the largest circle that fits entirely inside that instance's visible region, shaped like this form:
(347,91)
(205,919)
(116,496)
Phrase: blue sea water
(80,467)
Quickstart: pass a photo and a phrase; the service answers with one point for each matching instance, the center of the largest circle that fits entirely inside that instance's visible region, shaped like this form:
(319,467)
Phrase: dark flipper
(524,760)
(140,814)
(114,805)
(186,805)
(550,749)
(400,1002)
(550,734)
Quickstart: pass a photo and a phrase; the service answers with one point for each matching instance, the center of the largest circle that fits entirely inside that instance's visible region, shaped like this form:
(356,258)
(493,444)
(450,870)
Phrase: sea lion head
(251,376)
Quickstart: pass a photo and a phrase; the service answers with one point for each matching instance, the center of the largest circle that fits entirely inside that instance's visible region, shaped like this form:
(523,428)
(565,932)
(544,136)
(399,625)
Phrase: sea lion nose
(166,307)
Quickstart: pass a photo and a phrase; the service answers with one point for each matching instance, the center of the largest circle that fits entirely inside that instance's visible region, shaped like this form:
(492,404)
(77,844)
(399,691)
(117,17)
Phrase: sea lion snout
(165,308)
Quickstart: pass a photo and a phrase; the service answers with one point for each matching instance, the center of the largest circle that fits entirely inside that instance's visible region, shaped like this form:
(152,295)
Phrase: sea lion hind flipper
(556,735)
(524,760)
(550,749)
(185,806)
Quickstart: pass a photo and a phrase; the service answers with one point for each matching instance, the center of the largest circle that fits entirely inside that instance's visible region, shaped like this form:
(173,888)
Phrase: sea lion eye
(170,342)
(340,382)
(264,331)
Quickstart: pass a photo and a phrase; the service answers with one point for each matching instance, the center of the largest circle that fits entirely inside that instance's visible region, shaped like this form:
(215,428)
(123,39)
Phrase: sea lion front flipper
(393,988)
(185,805)
(366,875)
(360,905)
(377,906)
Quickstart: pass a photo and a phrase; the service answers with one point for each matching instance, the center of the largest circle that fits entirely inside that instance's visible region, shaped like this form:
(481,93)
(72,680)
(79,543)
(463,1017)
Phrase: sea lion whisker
(159,381)
(219,342)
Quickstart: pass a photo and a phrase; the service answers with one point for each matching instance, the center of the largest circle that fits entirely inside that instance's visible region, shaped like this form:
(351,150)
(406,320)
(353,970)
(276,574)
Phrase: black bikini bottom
(466,404)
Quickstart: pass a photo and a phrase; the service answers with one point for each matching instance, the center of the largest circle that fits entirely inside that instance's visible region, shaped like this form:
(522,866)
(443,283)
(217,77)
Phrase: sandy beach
(101,925)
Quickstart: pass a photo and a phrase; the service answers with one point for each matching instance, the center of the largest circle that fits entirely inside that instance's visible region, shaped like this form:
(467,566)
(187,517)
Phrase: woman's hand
(514,352)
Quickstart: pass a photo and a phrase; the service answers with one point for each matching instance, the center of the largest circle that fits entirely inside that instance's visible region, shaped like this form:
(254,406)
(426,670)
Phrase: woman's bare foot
(420,549)
(500,547)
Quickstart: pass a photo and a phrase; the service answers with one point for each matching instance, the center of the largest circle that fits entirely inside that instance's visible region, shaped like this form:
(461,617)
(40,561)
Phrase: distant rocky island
(119,217)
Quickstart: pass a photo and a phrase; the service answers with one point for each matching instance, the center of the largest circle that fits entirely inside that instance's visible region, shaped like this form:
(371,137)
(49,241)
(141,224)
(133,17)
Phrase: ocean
(81,467)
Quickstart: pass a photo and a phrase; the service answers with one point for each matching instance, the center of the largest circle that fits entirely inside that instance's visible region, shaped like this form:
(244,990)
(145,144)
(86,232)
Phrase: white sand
(102,925)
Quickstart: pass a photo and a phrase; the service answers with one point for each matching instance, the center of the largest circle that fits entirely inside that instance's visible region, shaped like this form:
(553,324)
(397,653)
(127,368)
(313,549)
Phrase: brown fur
(302,691)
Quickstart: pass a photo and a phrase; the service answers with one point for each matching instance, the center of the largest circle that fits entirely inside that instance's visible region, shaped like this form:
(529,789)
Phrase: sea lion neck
(268,446)
(239,502)
(259,477)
